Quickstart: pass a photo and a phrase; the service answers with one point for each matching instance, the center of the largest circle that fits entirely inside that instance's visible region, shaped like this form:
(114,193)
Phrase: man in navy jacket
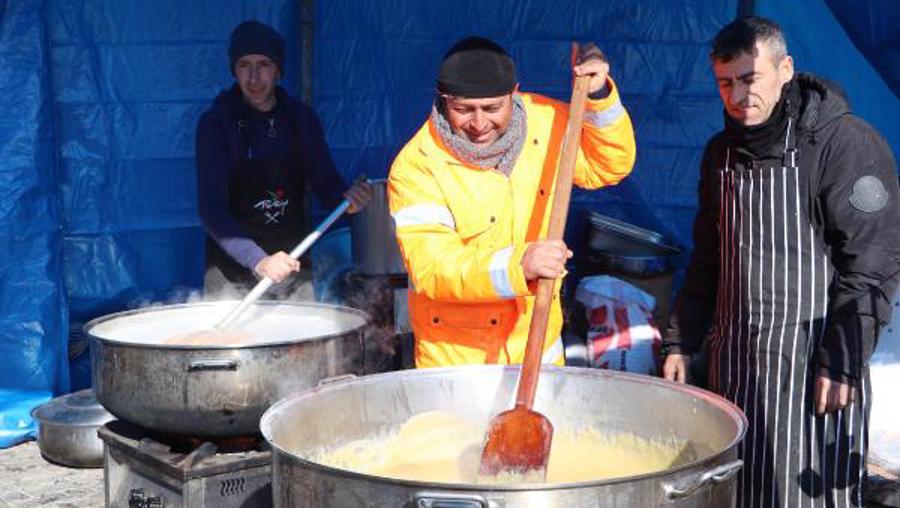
(258,151)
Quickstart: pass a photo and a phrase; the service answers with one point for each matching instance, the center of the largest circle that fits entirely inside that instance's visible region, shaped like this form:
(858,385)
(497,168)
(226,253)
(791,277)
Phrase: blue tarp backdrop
(33,310)
(100,98)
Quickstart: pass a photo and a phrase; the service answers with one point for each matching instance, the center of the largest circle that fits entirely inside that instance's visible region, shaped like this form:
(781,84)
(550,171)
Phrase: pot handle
(213,364)
(336,379)
(447,500)
(714,476)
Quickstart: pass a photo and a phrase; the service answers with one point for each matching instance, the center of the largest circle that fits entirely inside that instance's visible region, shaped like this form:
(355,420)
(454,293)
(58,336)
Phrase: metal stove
(148,470)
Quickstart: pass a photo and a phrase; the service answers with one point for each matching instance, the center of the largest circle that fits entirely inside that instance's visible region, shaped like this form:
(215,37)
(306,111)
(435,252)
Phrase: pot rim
(59,413)
(93,323)
(50,422)
(716,400)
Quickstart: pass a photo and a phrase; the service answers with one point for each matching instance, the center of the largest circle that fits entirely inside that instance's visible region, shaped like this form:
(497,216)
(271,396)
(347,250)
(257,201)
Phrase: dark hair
(741,36)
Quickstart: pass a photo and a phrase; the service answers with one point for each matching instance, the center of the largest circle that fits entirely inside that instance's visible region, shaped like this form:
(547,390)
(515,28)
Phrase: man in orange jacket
(470,193)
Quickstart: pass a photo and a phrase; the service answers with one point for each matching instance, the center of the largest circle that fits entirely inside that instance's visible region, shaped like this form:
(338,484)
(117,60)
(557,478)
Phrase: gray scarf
(501,155)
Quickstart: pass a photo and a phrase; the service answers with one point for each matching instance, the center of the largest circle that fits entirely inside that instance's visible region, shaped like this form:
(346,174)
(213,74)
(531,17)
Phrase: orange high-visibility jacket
(463,231)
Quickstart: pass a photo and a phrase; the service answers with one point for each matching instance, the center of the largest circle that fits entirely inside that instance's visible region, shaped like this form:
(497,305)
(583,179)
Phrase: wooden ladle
(518,440)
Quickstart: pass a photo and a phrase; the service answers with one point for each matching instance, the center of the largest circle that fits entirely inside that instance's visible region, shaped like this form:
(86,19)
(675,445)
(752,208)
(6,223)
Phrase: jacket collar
(431,146)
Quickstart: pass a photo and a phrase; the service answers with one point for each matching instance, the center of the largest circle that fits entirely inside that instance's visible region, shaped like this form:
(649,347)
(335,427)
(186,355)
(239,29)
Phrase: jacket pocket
(483,326)
(477,199)
(472,316)
(473,226)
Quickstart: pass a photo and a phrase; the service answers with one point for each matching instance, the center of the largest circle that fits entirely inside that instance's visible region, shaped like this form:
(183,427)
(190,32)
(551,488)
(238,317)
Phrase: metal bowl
(613,236)
(67,429)
(642,265)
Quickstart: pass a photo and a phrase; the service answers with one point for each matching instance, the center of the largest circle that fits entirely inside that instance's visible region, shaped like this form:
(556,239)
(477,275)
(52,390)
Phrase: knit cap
(476,68)
(255,38)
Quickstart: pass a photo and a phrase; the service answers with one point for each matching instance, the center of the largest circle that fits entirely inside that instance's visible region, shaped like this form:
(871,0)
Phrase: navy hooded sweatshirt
(218,151)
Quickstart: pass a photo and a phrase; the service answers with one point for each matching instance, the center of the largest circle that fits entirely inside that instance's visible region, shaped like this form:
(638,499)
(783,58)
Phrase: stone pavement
(27,480)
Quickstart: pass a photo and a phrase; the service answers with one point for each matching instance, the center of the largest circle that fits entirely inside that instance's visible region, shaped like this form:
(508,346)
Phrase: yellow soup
(445,447)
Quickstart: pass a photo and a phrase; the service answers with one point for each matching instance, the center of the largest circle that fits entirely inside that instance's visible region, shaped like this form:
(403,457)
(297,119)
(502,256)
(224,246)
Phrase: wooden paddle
(518,440)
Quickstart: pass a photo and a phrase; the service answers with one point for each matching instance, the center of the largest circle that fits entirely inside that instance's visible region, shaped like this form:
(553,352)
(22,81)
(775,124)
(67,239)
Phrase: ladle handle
(559,211)
(264,285)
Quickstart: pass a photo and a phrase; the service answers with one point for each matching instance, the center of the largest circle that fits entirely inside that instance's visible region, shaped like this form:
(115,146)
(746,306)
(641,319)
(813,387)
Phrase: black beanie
(476,68)
(255,38)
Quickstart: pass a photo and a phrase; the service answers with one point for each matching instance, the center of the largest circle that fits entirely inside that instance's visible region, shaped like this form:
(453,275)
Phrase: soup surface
(259,324)
(445,447)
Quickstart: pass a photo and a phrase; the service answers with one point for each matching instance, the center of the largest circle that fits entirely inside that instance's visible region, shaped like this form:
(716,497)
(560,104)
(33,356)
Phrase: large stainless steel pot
(374,240)
(648,407)
(218,390)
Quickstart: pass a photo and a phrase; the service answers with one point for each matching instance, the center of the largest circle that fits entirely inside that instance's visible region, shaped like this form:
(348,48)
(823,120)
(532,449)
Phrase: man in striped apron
(795,261)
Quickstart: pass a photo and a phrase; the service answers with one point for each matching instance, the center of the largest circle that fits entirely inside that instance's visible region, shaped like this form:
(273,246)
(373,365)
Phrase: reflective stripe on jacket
(463,231)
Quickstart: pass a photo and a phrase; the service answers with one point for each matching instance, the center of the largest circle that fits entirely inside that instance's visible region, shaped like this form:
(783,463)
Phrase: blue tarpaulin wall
(99,103)
(377,87)
(375,64)
(33,313)
(99,100)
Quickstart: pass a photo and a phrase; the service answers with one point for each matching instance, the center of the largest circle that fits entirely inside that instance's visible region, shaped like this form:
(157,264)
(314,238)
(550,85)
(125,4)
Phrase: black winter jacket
(835,149)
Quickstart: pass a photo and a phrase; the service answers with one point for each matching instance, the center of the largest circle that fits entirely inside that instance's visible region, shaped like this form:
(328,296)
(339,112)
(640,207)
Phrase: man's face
(481,121)
(750,85)
(257,75)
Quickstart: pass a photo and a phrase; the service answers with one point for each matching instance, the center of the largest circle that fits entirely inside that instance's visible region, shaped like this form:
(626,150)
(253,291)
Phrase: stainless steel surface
(715,476)
(617,246)
(441,499)
(67,429)
(618,237)
(373,240)
(141,472)
(218,390)
(641,265)
(648,407)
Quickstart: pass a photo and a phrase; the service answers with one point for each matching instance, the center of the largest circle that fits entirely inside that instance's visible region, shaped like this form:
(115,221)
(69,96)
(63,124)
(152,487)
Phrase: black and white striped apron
(770,316)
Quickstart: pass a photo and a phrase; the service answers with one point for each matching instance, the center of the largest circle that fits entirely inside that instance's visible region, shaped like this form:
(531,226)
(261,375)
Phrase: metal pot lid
(636,265)
(639,236)
(78,408)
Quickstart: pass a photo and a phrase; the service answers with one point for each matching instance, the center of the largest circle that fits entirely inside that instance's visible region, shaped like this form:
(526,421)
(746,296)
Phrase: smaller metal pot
(613,236)
(374,239)
(639,265)
(67,429)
